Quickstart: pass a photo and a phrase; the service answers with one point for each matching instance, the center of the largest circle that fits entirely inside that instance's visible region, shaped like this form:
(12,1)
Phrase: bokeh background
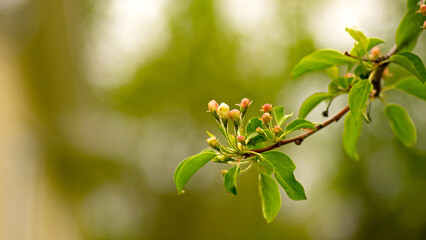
(100,100)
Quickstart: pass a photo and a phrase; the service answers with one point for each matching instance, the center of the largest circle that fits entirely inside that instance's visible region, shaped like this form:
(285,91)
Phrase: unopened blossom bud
(223,111)
(259,130)
(245,103)
(375,52)
(277,129)
(422,10)
(212,142)
(349,75)
(266,118)
(213,106)
(266,108)
(241,139)
(234,114)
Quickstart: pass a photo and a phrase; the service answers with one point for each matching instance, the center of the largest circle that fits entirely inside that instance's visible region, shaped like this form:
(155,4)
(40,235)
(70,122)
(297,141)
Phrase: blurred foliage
(111,196)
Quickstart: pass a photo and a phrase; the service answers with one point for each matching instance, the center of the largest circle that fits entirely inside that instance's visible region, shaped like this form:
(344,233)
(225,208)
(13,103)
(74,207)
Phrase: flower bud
(234,114)
(259,130)
(213,106)
(277,130)
(212,142)
(422,10)
(349,75)
(223,111)
(266,118)
(241,139)
(266,108)
(245,103)
(375,52)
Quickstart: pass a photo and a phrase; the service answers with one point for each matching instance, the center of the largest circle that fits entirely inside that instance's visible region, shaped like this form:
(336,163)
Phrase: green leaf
(284,168)
(252,125)
(372,42)
(409,29)
(270,196)
(189,166)
(351,134)
(412,86)
(358,96)
(412,63)
(401,124)
(311,102)
(359,37)
(332,72)
(412,3)
(265,166)
(279,115)
(230,179)
(298,124)
(320,60)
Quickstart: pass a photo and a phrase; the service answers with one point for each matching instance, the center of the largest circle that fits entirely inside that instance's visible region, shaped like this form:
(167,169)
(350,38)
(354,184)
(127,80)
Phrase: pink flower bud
(349,75)
(375,52)
(212,142)
(245,103)
(213,106)
(235,115)
(422,10)
(277,129)
(241,139)
(266,118)
(223,111)
(266,108)
(259,130)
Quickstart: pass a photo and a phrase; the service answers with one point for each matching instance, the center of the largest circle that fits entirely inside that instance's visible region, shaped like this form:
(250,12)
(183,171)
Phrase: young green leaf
(311,102)
(412,86)
(320,60)
(252,125)
(412,63)
(409,29)
(401,124)
(270,196)
(358,96)
(351,134)
(279,115)
(189,166)
(230,179)
(332,72)
(372,42)
(298,124)
(265,166)
(359,37)
(284,168)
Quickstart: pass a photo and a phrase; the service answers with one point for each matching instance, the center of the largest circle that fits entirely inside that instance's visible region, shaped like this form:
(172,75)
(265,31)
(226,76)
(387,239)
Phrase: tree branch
(376,81)
(298,140)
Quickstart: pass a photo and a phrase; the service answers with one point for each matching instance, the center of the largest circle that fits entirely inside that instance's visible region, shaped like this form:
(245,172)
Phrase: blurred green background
(100,101)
